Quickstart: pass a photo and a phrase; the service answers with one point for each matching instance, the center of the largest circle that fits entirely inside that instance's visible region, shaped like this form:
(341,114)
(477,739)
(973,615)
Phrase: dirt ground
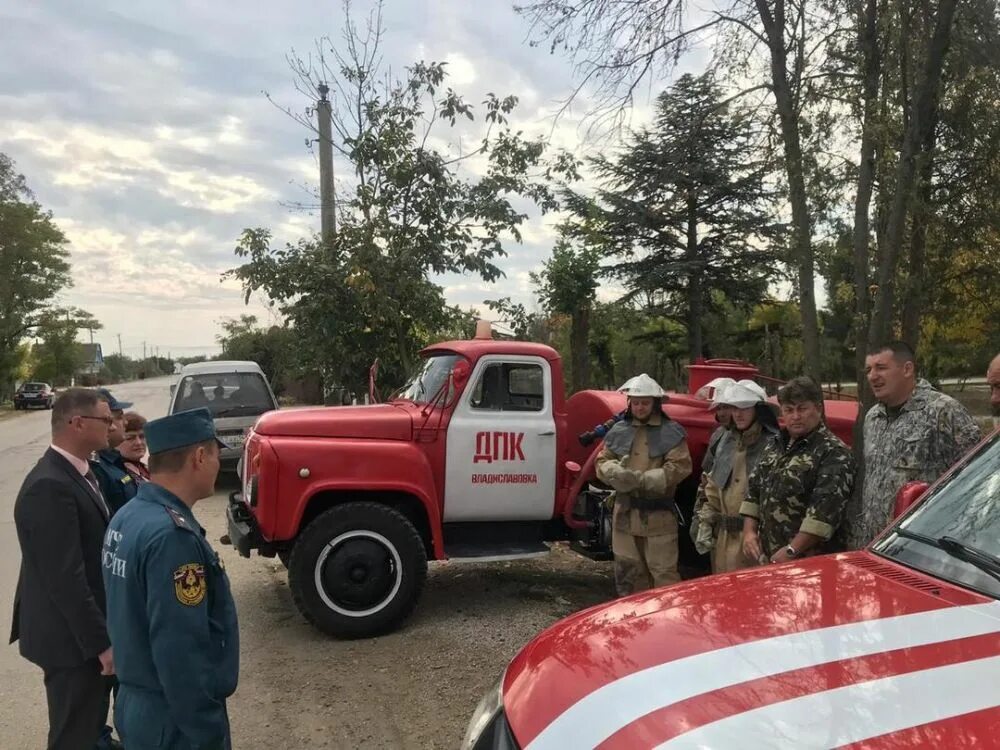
(415,688)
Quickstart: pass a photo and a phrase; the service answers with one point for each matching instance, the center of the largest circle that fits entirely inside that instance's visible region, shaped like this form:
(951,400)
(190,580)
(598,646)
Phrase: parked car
(30,395)
(236,393)
(897,645)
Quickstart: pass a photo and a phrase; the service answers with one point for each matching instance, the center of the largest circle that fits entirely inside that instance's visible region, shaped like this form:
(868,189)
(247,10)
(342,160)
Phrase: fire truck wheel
(357,570)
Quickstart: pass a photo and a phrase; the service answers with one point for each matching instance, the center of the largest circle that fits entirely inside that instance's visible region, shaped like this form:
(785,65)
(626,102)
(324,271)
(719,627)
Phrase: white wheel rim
(360,534)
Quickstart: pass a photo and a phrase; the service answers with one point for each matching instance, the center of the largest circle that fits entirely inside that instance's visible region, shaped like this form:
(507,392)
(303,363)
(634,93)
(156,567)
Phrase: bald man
(993,380)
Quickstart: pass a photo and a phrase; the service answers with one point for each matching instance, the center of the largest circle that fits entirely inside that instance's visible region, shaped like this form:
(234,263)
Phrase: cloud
(143,127)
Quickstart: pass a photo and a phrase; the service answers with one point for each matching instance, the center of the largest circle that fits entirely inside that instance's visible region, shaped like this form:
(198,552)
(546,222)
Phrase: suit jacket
(59,607)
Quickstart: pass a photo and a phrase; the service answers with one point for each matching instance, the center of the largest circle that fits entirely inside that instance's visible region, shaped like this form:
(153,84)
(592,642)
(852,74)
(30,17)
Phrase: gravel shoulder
(415,688)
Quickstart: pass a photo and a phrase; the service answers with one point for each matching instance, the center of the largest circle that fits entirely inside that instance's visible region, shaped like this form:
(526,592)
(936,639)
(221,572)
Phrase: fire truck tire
(357,570)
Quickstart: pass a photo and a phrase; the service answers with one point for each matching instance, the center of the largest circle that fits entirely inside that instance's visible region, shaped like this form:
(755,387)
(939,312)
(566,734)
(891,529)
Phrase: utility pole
(119,344)
(143,351)
(328,201)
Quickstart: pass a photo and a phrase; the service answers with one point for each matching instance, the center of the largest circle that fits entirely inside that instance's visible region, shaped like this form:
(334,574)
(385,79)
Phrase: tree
(567,284)
(33,266)
(918,139)
(272,348)
(411,211)
(59,356)
(619,45)
(683,211)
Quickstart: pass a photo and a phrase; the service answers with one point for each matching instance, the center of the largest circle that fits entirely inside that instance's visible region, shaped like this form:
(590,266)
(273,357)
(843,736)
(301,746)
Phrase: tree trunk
(694,289)
(922,118)
(914,295)
(802,251)
(872,56)
(579,352)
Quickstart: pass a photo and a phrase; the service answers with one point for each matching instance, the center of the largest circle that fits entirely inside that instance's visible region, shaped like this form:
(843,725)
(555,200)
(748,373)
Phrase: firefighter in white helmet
(644,458)
(719,525)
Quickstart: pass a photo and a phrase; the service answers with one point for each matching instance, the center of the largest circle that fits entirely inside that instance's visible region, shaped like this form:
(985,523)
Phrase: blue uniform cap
(179,430)
(113,403)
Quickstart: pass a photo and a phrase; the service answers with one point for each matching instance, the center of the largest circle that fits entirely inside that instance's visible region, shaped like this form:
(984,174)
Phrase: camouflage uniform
(928,434)
(723,489)
(803,485)
(653,459)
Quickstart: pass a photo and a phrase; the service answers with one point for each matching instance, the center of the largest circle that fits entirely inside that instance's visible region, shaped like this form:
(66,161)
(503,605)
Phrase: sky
(144,128)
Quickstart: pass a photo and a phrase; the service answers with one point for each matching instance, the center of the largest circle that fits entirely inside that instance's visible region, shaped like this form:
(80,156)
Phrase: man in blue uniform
(171,615)
(115,481)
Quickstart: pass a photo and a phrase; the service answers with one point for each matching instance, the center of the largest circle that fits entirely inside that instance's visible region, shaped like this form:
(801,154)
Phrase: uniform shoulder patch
(178,518)
(190,585)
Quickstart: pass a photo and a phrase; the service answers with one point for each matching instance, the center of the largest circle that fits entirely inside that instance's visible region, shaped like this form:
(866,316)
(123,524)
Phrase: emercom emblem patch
(189,584)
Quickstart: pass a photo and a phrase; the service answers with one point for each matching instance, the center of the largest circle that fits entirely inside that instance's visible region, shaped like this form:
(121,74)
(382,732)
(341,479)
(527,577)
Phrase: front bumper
(244,534)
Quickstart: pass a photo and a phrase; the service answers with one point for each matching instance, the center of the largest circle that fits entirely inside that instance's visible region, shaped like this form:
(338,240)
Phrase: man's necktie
(92,481)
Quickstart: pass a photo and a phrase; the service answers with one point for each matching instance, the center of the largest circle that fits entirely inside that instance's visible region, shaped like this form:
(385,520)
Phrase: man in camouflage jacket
(913,433)
(802,484)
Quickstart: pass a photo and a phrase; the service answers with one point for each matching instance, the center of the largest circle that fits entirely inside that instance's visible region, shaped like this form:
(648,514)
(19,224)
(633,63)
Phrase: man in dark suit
(59,608)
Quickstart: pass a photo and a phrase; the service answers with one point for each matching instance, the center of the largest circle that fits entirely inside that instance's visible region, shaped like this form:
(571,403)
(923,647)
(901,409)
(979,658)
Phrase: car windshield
(427,381)
(33,387)
(230,394)
(955,533)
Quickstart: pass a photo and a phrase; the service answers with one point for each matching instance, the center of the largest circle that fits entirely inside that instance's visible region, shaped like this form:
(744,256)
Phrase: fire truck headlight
(488,728)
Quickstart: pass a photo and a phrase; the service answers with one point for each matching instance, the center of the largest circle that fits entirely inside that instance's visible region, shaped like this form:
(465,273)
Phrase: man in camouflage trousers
(913,433)
(802,484)
(644,458)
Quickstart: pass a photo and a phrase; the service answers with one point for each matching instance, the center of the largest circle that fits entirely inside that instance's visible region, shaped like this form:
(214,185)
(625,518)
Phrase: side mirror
(460,373)
(173,388)
(908,494)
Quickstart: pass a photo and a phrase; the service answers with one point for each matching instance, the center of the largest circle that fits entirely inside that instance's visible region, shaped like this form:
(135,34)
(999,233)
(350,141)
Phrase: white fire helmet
(714,388)
(642,386)
(742,394)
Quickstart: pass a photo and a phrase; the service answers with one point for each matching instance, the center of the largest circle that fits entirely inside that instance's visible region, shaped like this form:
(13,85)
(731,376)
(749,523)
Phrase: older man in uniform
(913,433)
(171,615)
(800,488)
(116,482)
(644,458)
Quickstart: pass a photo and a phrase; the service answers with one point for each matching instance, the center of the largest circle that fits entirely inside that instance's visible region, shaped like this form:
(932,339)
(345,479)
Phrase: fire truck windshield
(428,379)
(955,533)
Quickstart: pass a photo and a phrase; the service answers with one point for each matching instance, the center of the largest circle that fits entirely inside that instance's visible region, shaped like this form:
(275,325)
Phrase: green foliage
(410,212)
(569,279)
(567,284)
(58,356)
(33,267)
(684,210)
(272,348)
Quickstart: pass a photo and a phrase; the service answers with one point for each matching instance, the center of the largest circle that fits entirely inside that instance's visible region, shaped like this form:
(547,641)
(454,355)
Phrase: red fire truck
(477,458)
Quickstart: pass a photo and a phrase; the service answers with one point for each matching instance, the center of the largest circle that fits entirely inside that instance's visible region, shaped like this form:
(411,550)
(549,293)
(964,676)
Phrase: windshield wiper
(231,409)
(989,564)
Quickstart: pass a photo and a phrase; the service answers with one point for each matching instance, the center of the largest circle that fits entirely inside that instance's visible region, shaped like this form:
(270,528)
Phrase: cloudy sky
(143,127)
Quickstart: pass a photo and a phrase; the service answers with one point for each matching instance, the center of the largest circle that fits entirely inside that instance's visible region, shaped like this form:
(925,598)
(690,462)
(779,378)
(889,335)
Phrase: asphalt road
(415,688)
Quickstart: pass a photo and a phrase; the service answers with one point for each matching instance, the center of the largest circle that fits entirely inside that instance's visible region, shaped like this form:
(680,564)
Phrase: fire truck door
(501,463)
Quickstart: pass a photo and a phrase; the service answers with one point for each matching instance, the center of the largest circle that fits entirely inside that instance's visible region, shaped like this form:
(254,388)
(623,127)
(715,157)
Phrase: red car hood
(378,421)
(827,652)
